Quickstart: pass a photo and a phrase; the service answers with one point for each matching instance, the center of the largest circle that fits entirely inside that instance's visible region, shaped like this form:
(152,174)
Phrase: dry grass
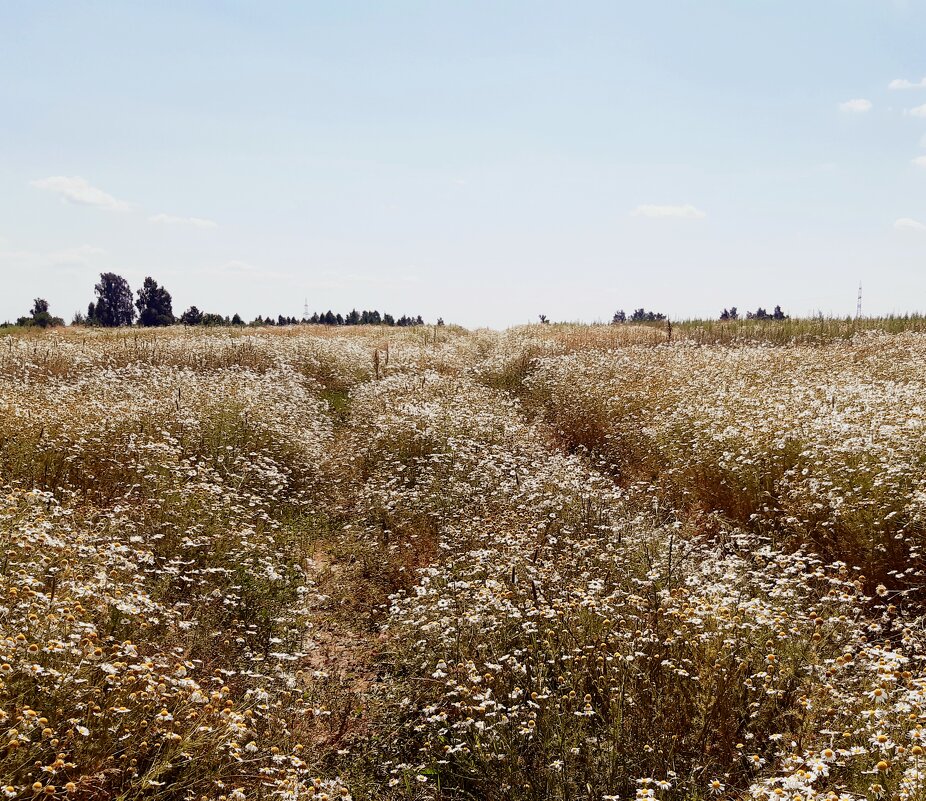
(567,562)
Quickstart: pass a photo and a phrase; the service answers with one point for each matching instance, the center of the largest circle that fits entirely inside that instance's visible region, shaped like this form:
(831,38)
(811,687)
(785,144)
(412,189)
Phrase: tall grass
(556,562)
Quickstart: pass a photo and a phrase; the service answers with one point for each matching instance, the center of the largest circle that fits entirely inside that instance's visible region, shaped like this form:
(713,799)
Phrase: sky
(483,162)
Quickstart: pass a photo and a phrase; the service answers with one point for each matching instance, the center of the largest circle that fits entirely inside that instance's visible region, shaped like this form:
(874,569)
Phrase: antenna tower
(858,305)
(305,310)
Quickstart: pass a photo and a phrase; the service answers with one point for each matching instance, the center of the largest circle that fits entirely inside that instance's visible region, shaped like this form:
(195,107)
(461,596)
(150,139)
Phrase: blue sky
(483,161)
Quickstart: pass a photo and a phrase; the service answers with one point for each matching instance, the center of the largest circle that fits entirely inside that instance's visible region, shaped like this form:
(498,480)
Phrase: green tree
(40,316)
(192,316)
(154,304)
(114,305)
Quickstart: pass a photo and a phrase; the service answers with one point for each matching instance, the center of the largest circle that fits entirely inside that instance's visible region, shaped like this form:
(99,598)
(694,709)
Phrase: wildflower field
(554,562)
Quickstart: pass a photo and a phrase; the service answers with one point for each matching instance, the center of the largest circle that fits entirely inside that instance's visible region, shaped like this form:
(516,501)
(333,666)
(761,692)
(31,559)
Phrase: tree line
(644,316)
(758,314)
(115,305)
(637,316)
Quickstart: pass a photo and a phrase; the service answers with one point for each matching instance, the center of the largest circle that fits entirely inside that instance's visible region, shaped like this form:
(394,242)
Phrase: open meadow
(553,562)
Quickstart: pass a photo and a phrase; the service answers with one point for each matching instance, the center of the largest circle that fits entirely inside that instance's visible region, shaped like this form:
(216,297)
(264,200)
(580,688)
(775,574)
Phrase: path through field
(539,564)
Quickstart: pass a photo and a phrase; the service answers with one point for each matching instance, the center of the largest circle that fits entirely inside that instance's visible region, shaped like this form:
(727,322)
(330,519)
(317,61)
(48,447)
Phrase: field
(555,562)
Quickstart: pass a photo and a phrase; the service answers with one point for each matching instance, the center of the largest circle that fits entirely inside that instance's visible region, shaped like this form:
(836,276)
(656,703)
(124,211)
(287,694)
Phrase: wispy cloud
(78,256)
(335,279)
(687,211)
(908,224)
(245,271)
(903,83)
(920,161)
(918,111)
(78,190)
(858,105)
(238,267)
(192,222)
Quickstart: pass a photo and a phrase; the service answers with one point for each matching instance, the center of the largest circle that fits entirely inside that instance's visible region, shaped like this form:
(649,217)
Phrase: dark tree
(353,317)
(620,316)
(154,304)
(114,305)
(192,316)
(91,313)
(236,319)
(778,314)
(212,319)
(644,316)
(40,316)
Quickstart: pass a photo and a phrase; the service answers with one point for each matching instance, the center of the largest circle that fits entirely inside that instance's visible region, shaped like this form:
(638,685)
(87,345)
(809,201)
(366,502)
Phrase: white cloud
(77,190)
(80,255)
(903,83)
(858,105)
(920,161)
(236,266)
(687,211)
(919,111)
(336,279)
(244,271)
(193,222)
(907,224)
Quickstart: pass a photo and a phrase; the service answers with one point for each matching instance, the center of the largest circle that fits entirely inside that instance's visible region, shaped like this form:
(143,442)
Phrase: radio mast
(858,305)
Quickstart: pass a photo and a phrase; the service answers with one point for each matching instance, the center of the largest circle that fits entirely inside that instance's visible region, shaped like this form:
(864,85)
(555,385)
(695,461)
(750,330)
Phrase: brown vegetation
(556,562)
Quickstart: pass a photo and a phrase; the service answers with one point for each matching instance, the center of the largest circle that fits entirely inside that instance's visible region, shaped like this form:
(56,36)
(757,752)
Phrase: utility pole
(305,310)
(858,305)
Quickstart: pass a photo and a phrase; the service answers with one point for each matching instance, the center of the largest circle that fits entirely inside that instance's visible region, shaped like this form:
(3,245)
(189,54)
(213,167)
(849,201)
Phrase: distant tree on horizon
(191,316)
(643,316)
(40,316)
(354,317)
(758,314)
(155,306)
(114,306)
